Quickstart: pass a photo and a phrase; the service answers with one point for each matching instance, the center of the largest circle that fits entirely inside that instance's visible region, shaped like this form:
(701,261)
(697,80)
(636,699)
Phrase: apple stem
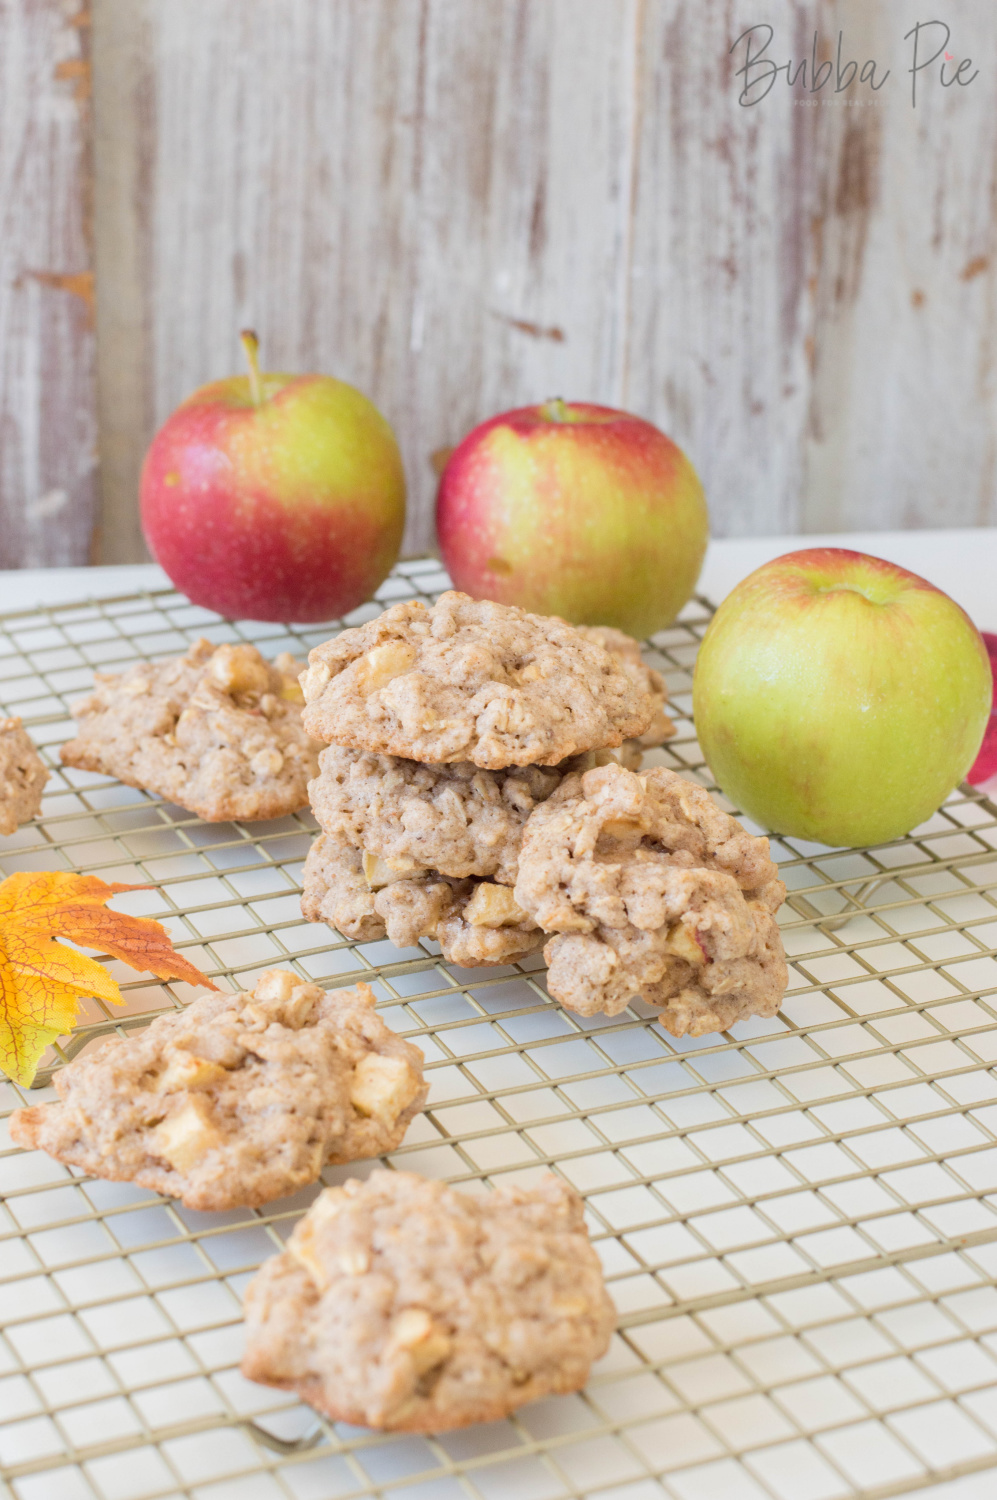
(555,410)
(251,345)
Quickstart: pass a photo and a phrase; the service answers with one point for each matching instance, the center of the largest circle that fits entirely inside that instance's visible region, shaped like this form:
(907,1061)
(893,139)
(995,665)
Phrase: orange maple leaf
(41,980)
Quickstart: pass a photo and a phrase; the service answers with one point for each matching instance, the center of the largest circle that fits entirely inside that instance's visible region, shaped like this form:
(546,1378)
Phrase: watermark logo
(760,72)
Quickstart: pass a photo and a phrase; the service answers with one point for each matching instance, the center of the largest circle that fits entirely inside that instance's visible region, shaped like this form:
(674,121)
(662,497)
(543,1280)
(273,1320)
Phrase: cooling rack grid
(798,1218)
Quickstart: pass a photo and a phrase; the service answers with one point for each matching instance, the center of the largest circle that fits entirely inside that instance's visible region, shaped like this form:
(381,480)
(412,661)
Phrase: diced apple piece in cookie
(184,1138)
(493,906)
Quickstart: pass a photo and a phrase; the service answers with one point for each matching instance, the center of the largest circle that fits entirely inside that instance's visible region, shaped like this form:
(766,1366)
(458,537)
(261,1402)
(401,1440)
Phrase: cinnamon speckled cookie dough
(646,678)
(22,776)
(366,897)
(456,818)
(217,731)
(652,890)
(471,680)
(236,1100)
(404,1305)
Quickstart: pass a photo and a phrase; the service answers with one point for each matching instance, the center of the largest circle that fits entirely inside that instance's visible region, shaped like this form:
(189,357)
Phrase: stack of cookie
(446,728)
(477,788)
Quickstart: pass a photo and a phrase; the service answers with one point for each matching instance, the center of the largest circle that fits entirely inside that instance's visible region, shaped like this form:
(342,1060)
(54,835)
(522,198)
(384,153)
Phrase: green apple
(840,698)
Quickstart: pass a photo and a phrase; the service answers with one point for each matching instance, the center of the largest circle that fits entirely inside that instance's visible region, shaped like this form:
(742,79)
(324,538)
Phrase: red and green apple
(274,496)
(575,510)
(840,698)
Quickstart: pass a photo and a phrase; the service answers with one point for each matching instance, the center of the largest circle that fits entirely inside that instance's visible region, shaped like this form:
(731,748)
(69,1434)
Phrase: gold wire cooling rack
(798,1218)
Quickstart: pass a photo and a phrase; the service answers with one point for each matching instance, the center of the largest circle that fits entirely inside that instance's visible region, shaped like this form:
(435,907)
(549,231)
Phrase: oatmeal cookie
(647,679)
(367,897)
(651,889)
(470,680)
(404,1305)
(217,731)
(22,776)
(454,818)
(236,1100)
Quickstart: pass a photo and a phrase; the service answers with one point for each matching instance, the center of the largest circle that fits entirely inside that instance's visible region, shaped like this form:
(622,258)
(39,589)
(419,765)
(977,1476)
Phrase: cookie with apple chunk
(366,897)
(650,889)
(471,680)
(237,1099)
(22,776)
(404,1305)
(217,731)
(648,680)
(456,818)
(453,817)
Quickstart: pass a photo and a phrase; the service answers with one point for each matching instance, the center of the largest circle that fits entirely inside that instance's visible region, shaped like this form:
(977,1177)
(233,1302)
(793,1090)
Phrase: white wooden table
(963,563)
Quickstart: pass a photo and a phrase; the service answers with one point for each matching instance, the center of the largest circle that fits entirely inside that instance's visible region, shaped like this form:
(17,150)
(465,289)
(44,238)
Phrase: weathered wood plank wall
(462,206)
(429,198)
(902,427)
(47,394)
